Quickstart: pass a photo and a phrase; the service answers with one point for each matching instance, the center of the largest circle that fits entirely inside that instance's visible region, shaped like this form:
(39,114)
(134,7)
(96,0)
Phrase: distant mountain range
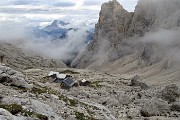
(59,30)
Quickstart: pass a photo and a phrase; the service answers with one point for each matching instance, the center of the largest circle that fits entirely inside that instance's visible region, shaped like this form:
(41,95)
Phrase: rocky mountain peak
(54,23)
(113,19)
(109,11)
(112,26)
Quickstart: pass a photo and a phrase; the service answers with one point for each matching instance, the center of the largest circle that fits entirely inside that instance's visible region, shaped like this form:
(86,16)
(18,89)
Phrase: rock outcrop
(176,106)
(154,107)
(170,93)
(136,81)
(11,77)
(119,33)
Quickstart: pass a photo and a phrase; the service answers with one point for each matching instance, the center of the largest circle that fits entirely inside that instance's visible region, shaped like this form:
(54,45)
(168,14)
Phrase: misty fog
(65,49)
(167,43)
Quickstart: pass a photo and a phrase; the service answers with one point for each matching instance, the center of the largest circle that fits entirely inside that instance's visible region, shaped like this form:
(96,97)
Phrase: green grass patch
(87,107)
(15,109)
(20,89)
(28,67)
(69,72)
(33,114)
(81,116)
(44,79)
(68,101)
(96,84)
(41,117)
(38,90)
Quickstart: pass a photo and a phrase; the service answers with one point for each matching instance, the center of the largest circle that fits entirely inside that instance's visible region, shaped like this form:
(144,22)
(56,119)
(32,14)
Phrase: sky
(41,12)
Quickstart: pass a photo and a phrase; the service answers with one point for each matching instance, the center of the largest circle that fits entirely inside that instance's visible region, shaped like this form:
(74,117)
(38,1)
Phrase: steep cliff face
(152,14)
(119,33)
(114,19)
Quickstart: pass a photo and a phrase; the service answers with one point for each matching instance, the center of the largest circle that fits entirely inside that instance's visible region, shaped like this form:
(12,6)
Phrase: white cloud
(78,4)
(40,11)
(128,4)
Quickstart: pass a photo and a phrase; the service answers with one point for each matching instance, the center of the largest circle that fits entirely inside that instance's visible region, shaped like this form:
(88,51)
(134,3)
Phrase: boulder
(176,106)
(154,107)
(20,82)
(13,78)
(175,114)
(5,115)
(170,93)
(134,112)
(136,81)
(124,99)
(43,109)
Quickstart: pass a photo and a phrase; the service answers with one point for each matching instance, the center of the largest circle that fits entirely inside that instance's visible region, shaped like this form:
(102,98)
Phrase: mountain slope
(18,59)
